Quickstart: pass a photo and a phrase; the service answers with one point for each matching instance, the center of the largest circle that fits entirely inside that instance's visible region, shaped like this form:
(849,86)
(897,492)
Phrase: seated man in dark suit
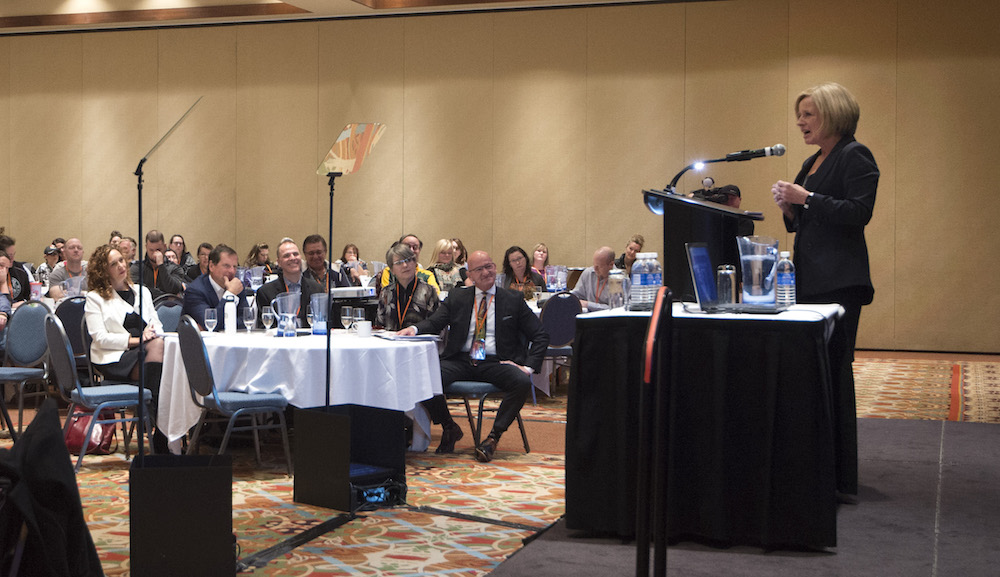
(211,290)
(493,337)
(158,274)
(290,279)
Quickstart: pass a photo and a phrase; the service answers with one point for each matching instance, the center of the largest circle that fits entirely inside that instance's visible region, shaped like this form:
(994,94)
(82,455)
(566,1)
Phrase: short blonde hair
(441,246)
(838,110)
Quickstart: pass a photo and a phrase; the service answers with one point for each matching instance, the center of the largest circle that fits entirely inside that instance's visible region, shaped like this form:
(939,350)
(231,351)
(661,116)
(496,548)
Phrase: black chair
(466,390)
(231,405)
(559,321)
(168,299)
(25,361)
(114,397)
(70,312)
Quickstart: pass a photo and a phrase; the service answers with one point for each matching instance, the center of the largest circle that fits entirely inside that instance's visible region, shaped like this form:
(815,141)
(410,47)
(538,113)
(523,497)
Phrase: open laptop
(703,277)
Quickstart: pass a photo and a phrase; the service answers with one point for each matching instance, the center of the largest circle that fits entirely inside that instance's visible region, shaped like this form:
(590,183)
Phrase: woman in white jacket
(117,329)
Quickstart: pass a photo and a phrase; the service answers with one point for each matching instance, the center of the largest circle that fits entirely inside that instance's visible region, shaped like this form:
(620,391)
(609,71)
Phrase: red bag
(100,437)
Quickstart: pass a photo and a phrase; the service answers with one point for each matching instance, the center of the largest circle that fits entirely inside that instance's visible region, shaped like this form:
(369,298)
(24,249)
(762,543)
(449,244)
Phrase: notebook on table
(703,277)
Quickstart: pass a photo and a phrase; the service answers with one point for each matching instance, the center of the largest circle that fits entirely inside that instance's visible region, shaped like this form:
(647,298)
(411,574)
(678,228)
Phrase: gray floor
(929,505)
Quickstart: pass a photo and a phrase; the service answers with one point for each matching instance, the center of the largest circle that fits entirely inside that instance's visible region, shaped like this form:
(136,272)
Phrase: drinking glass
(359,315)
(211,319)
(346,316)
(249,318)
(267,317)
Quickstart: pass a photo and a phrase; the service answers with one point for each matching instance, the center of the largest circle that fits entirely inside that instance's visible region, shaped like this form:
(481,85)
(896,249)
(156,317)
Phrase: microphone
(776,150)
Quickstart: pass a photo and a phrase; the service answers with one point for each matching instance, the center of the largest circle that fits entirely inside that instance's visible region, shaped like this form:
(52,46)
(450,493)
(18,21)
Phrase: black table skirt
(753,442)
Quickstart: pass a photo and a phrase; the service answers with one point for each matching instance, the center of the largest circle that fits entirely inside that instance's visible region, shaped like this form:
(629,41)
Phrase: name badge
(478,352)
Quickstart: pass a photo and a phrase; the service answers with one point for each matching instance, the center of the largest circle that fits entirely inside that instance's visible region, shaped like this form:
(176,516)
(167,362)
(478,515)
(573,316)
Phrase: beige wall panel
(855,47)
(635,119)
(5,220)
(448,146)
(119,126)
(276,108)
(361,79)
(196,166)
(46,137)
(736,92)
(946,239)
(540,132)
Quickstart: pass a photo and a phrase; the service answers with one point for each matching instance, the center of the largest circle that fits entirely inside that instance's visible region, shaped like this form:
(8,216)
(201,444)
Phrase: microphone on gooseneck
(776,150)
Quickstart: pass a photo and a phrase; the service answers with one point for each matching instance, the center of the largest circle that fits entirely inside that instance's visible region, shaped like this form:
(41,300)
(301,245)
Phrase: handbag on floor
(100,438)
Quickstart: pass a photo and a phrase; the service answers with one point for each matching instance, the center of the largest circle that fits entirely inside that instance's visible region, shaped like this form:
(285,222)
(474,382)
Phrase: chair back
(559,318)
(169,313)
(26,345)
(95,376)
(195,356)
(61,361)
(69,312)
(167,299)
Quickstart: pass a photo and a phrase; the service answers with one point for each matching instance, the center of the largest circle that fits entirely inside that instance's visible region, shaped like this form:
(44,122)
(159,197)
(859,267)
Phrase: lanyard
(400,316)
(600,288)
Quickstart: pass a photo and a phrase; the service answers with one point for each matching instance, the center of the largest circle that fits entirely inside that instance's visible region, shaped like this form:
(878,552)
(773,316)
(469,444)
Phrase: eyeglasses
(404,261)
(486,267)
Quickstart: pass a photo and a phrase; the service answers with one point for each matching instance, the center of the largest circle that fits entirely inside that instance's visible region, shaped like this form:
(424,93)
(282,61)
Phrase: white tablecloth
(369,371)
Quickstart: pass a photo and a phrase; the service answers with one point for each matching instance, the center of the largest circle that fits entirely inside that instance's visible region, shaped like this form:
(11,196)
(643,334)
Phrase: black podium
(692,220)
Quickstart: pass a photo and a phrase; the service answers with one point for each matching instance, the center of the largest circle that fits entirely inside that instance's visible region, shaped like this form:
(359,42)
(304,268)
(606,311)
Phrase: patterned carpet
(523,492)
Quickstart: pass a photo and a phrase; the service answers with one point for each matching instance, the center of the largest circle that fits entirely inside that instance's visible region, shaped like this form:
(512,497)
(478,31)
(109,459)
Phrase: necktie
(478,350)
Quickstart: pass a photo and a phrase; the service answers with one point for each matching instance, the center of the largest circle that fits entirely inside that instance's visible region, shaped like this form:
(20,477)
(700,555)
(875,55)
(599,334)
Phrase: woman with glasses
(517,272)
(406,301)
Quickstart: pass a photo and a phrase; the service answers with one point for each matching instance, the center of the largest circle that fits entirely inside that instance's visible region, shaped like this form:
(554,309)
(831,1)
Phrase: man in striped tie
(493,337)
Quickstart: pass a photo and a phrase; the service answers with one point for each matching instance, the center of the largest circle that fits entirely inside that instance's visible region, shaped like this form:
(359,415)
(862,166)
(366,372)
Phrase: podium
(692,220)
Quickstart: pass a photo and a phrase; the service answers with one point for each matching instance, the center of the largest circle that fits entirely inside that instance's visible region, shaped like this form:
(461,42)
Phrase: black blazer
(266,294)
(830,248)
(519,334)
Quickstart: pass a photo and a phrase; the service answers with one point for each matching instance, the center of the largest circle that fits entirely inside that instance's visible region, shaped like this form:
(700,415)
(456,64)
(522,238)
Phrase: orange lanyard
(600,287)
(518,285)
(402,315)
(156,272)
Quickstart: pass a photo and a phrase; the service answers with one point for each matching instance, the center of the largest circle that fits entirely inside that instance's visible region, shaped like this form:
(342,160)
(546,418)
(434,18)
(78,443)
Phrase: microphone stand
(141,411)
(329,298)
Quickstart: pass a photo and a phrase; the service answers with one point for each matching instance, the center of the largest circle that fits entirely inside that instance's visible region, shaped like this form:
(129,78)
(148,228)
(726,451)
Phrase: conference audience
(157,273)
(591,288)
(632,248)
(73,267)
(415,245)
(184,258)
(212,290)
(51,255)
(517,274)
(201,267)
(488,345)
(290,279)
(126,246)
(260,255)
(461,255)
(829,204)
(171,256)
(446,271)
(9,246)
(118,330)
(318,268)
(351,264)
(540,259)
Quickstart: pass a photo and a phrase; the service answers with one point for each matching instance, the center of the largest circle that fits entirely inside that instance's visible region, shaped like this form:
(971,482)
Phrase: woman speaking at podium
(829,205)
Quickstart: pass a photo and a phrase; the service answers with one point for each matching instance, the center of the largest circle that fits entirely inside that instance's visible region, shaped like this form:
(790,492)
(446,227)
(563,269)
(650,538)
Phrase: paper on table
(392,336)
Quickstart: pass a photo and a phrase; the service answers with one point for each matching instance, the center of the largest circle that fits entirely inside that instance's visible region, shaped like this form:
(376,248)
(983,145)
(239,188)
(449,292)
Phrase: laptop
(703,277)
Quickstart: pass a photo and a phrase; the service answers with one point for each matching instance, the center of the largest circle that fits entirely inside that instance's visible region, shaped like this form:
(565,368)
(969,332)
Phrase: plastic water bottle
(229,314)
(647,278)
(786,280)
